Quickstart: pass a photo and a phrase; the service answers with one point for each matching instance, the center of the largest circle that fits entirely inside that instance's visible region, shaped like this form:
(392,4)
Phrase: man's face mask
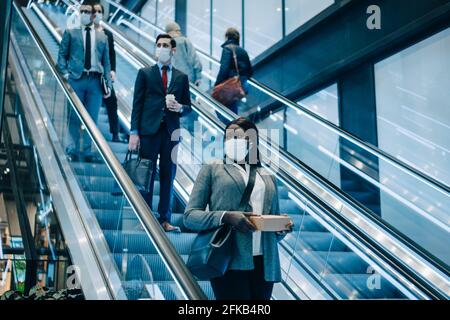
(85,19)
(163,54)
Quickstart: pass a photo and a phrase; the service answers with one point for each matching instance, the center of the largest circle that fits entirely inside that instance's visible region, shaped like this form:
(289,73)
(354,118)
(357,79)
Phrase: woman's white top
(257,202)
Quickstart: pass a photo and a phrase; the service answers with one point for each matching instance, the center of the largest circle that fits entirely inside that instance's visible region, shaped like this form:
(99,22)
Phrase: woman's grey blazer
(220,186)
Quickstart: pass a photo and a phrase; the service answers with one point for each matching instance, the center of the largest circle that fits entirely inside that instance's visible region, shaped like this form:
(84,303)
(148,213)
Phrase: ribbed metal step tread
(139,242)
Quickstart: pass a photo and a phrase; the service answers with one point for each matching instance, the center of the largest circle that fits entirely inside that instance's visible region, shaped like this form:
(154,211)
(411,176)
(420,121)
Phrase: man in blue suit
(161,97)
(83,59)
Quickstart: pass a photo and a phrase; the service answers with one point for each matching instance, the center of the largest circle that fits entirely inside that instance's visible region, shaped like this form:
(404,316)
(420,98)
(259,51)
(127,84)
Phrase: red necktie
(164,78)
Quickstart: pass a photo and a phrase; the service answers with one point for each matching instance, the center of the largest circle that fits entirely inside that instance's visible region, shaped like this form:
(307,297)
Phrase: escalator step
(334,262)
(135,290)
(316,241)
(127,220)
(105,200)
(102,118)
(91,169)
(287,206)
(138,241)
(104,184)
(306,223)
(134,270)
(118,147)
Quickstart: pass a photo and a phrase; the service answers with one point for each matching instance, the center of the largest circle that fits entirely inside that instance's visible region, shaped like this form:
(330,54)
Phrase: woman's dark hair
(246,125)
(232,34)
(173,43)
(99,4)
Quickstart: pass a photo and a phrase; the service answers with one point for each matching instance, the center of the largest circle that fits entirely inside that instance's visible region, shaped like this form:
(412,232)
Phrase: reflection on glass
(412,105)
(298,12)
(198,23)
(226,14)
(149,11)
(166,12)
(310,145)
(414,125)
(263,25)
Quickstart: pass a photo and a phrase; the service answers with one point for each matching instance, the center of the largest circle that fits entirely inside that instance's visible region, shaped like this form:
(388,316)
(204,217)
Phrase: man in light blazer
(83,59)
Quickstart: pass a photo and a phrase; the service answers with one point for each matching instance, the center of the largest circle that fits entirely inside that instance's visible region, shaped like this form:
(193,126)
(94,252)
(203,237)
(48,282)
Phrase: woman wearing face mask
(255,265)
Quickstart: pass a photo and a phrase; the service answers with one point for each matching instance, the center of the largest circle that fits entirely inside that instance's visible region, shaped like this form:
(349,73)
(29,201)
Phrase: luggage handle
(129,155)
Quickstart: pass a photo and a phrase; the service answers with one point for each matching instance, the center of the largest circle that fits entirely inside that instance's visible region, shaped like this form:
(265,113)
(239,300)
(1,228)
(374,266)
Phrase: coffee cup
(170,98)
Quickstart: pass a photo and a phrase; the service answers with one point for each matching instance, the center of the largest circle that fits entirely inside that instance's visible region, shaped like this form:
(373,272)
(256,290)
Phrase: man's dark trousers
(111,108)
(160,143)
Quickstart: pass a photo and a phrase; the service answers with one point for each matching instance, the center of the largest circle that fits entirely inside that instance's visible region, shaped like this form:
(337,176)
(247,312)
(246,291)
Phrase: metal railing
(164,247)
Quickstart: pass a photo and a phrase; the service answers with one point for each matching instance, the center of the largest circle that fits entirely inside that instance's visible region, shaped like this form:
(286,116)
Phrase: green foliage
(44,293)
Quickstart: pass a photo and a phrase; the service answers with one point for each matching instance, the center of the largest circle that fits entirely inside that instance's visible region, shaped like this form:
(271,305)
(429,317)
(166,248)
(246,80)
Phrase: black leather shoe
(72,156)
(116,138)
(93,159)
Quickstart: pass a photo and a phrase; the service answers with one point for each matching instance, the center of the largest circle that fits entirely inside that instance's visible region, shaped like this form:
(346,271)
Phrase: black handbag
(139,170)
(211,251)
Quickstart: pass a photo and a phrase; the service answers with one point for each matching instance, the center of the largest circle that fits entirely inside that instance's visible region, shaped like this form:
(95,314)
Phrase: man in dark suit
(161,97)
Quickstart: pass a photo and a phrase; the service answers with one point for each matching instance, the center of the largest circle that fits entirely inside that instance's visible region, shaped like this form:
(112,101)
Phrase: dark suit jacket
(149,103)
(112,51)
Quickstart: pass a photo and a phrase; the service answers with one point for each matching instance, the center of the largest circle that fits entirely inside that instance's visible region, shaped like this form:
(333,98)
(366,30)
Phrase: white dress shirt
(256,201)
(94,62)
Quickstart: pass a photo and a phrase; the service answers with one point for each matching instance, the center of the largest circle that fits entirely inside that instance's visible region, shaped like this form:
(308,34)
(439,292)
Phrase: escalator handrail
(373,150)
(228,113)
(165,248)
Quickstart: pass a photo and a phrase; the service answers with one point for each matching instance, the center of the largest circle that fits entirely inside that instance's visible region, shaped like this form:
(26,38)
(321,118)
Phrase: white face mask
(163,54)
(236,149)
(98,18)
(85,19)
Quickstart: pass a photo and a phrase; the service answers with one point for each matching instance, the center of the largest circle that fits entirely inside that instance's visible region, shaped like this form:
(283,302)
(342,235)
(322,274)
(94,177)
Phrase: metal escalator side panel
(90,277)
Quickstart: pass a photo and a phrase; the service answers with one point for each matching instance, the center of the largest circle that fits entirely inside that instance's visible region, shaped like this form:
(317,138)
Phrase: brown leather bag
(229,91)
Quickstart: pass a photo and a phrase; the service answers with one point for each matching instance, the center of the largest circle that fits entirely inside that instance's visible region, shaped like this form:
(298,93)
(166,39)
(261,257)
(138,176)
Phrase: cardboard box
(271,223)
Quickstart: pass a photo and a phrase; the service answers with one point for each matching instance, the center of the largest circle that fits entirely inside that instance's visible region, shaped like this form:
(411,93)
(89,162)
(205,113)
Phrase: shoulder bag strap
(233,49)
(248,190)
